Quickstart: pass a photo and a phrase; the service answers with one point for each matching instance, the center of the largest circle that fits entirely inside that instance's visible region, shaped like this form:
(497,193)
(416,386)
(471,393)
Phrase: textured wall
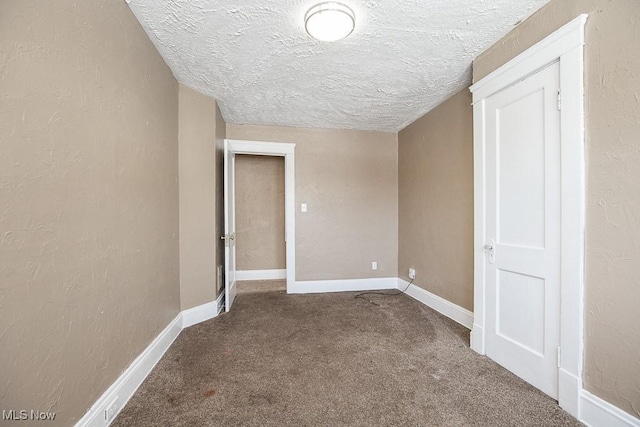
(349,179)
(260,213)
(612,55)
(198,236)
(88,201)
(435,165)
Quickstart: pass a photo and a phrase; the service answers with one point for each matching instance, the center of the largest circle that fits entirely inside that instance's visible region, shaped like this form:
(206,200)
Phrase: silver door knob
(488,247)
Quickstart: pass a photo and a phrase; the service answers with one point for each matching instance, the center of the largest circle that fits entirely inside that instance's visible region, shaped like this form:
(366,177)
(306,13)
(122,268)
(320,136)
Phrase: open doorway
(232,149)
(260,224)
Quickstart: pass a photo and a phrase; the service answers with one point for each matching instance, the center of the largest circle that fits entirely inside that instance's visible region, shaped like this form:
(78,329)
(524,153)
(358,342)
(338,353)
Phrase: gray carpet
(331,359)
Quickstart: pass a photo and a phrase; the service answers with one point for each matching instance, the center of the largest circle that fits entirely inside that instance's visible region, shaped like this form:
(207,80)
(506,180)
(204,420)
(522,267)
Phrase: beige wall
(198,171)
(349,179)
(88,201)
(612,61)
(435,165)
(260,213)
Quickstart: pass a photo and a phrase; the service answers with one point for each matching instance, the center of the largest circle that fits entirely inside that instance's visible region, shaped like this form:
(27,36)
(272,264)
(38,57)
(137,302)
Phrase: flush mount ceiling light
(329,21)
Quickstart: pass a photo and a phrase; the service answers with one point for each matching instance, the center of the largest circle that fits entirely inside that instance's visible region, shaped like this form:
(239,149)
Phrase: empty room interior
(307,212)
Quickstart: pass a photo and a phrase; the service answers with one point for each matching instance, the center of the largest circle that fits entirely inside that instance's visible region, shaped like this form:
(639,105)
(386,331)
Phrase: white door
(523,201)
(229,227)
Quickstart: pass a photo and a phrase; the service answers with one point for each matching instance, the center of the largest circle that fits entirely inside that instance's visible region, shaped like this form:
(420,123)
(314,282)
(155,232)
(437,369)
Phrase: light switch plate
(303,207)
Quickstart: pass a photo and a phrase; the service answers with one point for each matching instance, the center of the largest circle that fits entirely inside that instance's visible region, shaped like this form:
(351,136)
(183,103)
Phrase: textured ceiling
(403,59)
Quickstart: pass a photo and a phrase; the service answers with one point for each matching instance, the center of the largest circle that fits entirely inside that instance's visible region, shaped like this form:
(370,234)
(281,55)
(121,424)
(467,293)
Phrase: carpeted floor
(331,359)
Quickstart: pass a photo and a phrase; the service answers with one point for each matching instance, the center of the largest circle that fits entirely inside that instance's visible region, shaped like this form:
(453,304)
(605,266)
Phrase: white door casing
(564,47)
(522,223)
(258,148)
(229,227)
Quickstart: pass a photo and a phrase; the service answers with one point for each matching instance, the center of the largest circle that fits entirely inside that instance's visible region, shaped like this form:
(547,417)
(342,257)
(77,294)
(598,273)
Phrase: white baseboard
(261,274)
(596,412)
(455,312)
(441,305)
(321,286)
(202,312)
(477,343)
(127,384)
(569,388)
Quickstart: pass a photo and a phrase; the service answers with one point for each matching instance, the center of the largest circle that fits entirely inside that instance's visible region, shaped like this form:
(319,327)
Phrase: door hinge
(559,100)
(559,357)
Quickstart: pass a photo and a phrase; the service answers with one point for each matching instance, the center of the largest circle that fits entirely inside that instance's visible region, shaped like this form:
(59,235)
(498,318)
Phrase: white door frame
(565,46)
(286,150)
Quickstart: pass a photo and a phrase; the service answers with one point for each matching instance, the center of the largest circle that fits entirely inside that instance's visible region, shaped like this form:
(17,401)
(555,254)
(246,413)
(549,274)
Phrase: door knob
(488,247)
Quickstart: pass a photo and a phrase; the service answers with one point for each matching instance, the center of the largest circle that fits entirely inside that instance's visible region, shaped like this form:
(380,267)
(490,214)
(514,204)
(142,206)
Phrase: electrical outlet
(374,265)
(412,273)
(111,410)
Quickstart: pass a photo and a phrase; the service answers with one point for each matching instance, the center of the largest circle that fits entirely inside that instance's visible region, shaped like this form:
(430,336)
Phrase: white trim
(321,286)
(565,46)
(573,223)
(596,412)
(447,308)
(126,385)
(261,148)
(439,304)
(128,382)
(569,388)
(275,274)
(229,203)
(287,150)
(202,312)
(479,229)
(543,53)
(476,338)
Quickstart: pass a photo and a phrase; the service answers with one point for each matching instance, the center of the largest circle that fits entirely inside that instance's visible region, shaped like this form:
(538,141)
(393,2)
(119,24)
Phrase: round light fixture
(329,21)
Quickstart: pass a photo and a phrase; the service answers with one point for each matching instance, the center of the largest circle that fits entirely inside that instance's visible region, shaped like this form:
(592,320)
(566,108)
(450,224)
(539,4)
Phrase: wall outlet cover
(111,410)
(412,273)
